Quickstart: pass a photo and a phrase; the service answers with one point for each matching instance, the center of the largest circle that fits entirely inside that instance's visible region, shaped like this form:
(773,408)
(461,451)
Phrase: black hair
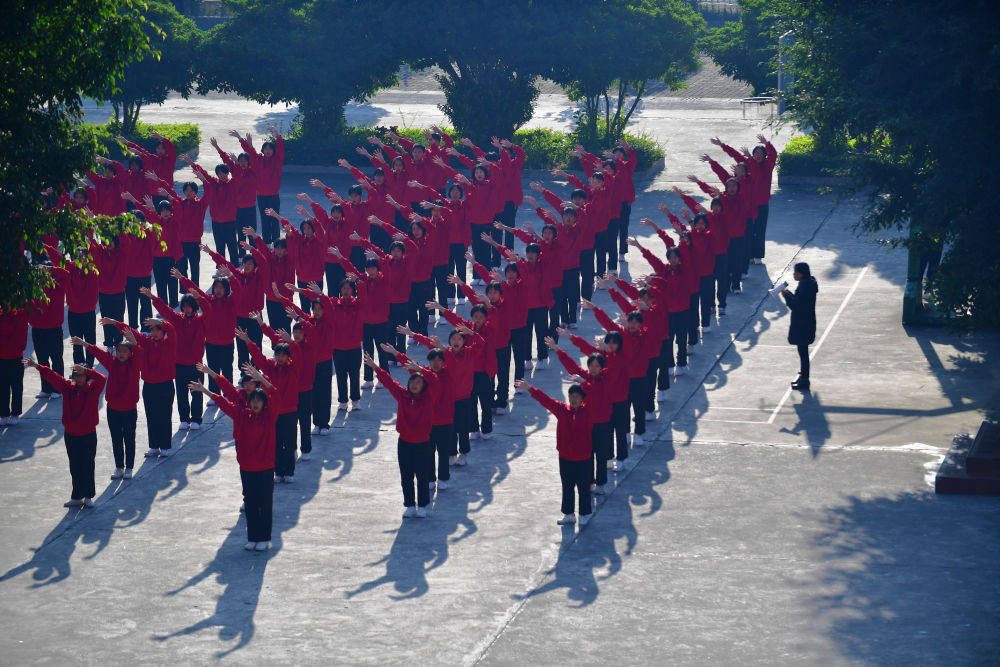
(611,163)
(225,285)
(435,136)
(256,394)
(735,180)
(555,232)
(135,160)
(576,389)
(643,291)
(418,224)
(139,215)
(512,267)
(280,243)
(479,167)
(674,251)
(378,170)
(371,262)
(192,185)
(307,222)
(420,146)
(244,378)
(221,169)
(598,175)
(455,332)
(266,144)
(191,301)
(700,217)
(82,191)
(598,357)
(337,207)
(613,337)
(355,189)
(635,315)
(347,281)
(156,323)
(479,308)
(579,192)
(803,268)
(717,200)
(297,326)
(435,354)
(532,247)
(495,286)
(397,244)
(283,348)
(164,205)
(461,190)
(568,210)
(241,156)
(759,147)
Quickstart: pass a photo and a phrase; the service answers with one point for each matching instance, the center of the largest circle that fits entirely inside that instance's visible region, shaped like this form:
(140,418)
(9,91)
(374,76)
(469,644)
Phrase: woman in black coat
(802,330)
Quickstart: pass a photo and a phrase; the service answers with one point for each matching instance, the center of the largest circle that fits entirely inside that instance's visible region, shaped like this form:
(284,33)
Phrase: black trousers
(637,399)
(417,316)
(706,298)
(576,478)
(664,362)
(189,403)
(49,351)
(245,217)
(481,250)
(334,274)
(11,387)
(397,316)
(81,450)
(439,285)
(521,348)
(623,223)
(304,415)
(460,441)
(679,334)
(348,365)
(158,402)
(414,461)
(456,265)
(220,359)
(277,317)
(224,234)
(358,258)
(737,254)
(571,292)
(270,230)
(482,393)
(252,327)
(442,442)
(284,441)
(503,377)
(113,306)
(651,368)
(601,434)
(692,321)
(166,285)
(803,351)
(321,393)
(305,302)
(190,262)
(611,245)
(538,321)
(721,276)
(555,312)
(258,500)
(83,325)
(587,270)
(121,423)
(373,336)
(619,421)
(139,306)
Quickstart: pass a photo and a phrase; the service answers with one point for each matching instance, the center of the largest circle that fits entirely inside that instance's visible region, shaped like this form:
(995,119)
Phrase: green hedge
(544,149)
(802,157)
(185,137)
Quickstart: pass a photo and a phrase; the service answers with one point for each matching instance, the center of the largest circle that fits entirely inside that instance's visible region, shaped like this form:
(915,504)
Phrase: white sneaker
(243,507)
(527,365)
(707,328)
(722,311)
(409,512)
(13,420)
(461,460)
(194,426)
(598,490)
(3,421)
(571,325)
(421,512)
(278,479)
(288,479)
(262,546)
(430,485)
(163,453)
(183,426)
(679,371)
(250,546)
(211,401)
(88,502)
(499,411)
(567,520)
(617,467)
(55,396)
(43,394)
(474,435)
(650,416)
(152,453)
(367,384)
(127,474)
(315,430)
(541,364)
(442,485)
(324,431)
(73,503)
(597,286)
(611,464)
(487,436)
(451,302)
(451,460)
(355,406)
(691,349)
(661,395)
(585,518)
(518,391)
(305,456)
(118,473)
(637,440)
(341,407)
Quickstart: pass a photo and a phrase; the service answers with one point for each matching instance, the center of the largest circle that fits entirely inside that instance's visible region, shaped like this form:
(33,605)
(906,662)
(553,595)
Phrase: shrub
(185,136)
(544,149)
(804,157)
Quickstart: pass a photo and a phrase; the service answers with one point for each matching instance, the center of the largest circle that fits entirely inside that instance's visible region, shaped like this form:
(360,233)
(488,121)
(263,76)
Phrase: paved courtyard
(757,526)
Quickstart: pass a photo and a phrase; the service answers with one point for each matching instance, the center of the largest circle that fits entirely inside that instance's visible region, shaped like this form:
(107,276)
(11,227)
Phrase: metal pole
(781,71)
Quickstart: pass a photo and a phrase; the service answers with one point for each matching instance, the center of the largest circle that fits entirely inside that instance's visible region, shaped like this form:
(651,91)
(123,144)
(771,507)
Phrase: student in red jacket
(278,272)
(283,373)
(166,246)
(254,428)
(414,421)
(343,335)
(626,161)
(267,164)
(46,320)
(479,201)
(302,343)
(138,252)
(219,313)
(396,267)
(190,330)
(373,291)
(244,183)
(80,417)
(111,281)
(81,304)
(189,214)
(221,194)
(159,359)
(307,249)
(761,165)
(253,285)
(122,397)
(13,340)
(574,442)
(161,162)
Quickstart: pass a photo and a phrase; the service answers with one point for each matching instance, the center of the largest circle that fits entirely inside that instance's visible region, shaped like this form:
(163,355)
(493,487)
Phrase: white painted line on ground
(826,332)
(719,407)
(731,421)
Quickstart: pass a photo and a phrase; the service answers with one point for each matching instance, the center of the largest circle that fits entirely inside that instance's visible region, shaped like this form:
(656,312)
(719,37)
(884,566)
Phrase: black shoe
(801,385)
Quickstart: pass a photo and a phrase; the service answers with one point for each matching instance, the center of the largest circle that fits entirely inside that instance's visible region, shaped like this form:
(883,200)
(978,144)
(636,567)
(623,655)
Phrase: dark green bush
(185,136)
(803,157)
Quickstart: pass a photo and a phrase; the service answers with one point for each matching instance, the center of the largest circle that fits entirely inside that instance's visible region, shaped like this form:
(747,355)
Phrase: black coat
(802,330)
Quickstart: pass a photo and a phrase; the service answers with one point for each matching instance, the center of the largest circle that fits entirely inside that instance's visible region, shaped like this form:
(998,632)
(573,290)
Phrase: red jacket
(219,314)
(268,169)
(167,243)
(303,354)
(397,273)
(221,196)
(123,378)
(110,262)
(107,195)
(480,196)
(460,364)
(323,327)
(616,368)
(574,441)
(308,255)
(79,405)
(189,331)
(639,346)
(598,389)
(254,432)
(443,399)
(347,319)
(759,177)
(415,414)
(376,204)
(159,357)
(138,254)
(277,270)
(51,315)
(244,181)
(511,168)
(81,289)
(374,298)
(253,286)
(189,214)
(425,171)
(13,333)
(134,182)
(284,377)
(485,358)
(162,165)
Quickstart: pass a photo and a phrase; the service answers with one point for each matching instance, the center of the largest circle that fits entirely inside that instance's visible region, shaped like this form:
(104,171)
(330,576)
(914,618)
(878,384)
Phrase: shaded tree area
(747,49)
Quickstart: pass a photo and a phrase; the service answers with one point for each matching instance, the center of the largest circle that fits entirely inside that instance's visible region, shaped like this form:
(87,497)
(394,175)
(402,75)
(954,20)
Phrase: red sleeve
(229,409)
(577,183)
(733,153)
(477,151)
(720,171)
(187,284)
(54,379)
(553,199)
(466,160)
(629,289)
(258,358)
(425,341)
(390,383)
(100,354)
(653,260)
(667,240)
(571,366)
(168,313)
(454,319)
(139,149)
(704,187)
(524,236)
(607,322)
(623,303)
(549,403)
(271,334)
(482,272)
(583,345)
(228,390)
